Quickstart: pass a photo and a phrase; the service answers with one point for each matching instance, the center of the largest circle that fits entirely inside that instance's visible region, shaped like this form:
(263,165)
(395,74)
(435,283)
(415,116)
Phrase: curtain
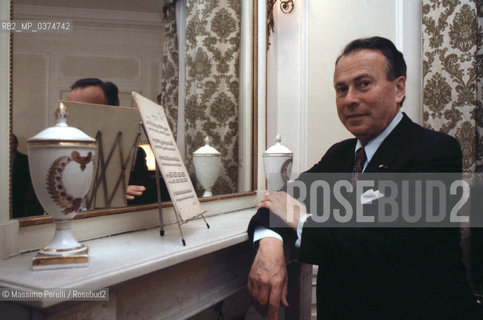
(170,68)
(212,84)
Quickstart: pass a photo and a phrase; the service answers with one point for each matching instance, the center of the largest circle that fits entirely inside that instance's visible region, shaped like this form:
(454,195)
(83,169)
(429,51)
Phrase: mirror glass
(193,57)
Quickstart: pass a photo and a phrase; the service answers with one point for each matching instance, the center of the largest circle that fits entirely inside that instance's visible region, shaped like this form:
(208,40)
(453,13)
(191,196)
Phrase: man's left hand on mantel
(285,206)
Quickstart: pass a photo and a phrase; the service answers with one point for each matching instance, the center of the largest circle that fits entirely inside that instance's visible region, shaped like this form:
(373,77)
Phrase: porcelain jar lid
(278,150)
(61,132)
(207,150)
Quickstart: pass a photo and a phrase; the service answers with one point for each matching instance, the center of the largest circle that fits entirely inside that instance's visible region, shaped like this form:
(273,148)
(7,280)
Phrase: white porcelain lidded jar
(61,162)
(277,161)
(207,162)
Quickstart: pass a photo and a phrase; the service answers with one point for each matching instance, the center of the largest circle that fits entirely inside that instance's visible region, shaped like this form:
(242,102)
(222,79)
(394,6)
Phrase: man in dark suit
(141,176)
(142,184)
(368,273)
(94,90)
(24,201)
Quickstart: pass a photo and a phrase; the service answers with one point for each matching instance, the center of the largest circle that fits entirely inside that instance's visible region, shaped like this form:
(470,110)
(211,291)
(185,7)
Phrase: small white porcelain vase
(207,162)
(61,162)
(277,161)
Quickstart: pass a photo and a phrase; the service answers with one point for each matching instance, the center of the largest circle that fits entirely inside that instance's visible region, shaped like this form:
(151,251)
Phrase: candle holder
(61,162)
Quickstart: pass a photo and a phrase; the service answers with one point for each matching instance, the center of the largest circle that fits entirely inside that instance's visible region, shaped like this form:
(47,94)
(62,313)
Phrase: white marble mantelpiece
(117,259)
(149,276)
(129,262)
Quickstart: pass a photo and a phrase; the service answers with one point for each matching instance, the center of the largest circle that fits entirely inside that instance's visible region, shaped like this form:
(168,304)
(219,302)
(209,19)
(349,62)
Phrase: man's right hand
(267,282)
(134,191)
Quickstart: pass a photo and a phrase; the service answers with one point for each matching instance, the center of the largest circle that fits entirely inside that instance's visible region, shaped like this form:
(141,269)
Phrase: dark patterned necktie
(360,159)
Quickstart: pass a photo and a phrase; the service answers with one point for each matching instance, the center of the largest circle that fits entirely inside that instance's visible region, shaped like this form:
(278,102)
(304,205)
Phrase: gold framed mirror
(46,64)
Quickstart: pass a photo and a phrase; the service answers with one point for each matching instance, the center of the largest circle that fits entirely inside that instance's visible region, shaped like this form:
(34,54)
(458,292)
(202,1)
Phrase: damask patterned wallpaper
(450,29)
(452,93)
(212,83)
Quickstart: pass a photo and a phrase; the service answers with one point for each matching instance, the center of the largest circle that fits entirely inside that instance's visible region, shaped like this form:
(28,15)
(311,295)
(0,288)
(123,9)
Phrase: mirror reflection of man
(368,273)
(93,90)
(24,201)
(141,188)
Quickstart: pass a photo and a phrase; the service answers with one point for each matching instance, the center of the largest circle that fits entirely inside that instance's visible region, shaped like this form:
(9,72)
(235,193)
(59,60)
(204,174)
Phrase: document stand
(101,169)
(160,211)
(160,207)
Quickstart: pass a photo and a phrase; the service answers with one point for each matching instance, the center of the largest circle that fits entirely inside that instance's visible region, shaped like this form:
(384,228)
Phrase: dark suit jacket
(141,176)
(24,201)
(387,273)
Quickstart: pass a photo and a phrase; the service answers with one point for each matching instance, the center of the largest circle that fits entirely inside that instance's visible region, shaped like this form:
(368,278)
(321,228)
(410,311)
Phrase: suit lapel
(348,160)
(390,149)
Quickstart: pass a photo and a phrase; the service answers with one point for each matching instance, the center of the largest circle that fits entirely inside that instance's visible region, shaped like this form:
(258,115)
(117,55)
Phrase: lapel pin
(383,166)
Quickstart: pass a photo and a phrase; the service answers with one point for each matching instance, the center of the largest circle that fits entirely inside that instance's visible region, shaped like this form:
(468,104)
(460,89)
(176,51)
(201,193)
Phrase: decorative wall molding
(304,92)
(400,23)
(129,68)
(408,40)
(288,83)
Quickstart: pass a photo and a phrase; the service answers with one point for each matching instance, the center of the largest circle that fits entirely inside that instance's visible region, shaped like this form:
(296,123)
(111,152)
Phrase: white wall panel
(47,64)
(301,99)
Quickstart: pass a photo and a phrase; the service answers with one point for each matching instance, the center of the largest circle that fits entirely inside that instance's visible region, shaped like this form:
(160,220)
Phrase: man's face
(366,100)
(90,94)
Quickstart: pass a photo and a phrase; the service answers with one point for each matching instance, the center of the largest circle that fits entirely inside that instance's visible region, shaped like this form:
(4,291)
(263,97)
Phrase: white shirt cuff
(262,232)
(300,226)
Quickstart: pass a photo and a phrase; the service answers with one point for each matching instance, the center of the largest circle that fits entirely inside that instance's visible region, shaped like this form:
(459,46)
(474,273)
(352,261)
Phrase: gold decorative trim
(278,155)
(207,155)
(86,250)
(45,219)
(10,116)
(254,141)
(46,261)
(39,220)
(67,143)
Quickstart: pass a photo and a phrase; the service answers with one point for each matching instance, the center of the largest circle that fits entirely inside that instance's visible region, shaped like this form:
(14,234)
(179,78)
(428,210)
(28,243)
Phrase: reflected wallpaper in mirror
(185,54)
